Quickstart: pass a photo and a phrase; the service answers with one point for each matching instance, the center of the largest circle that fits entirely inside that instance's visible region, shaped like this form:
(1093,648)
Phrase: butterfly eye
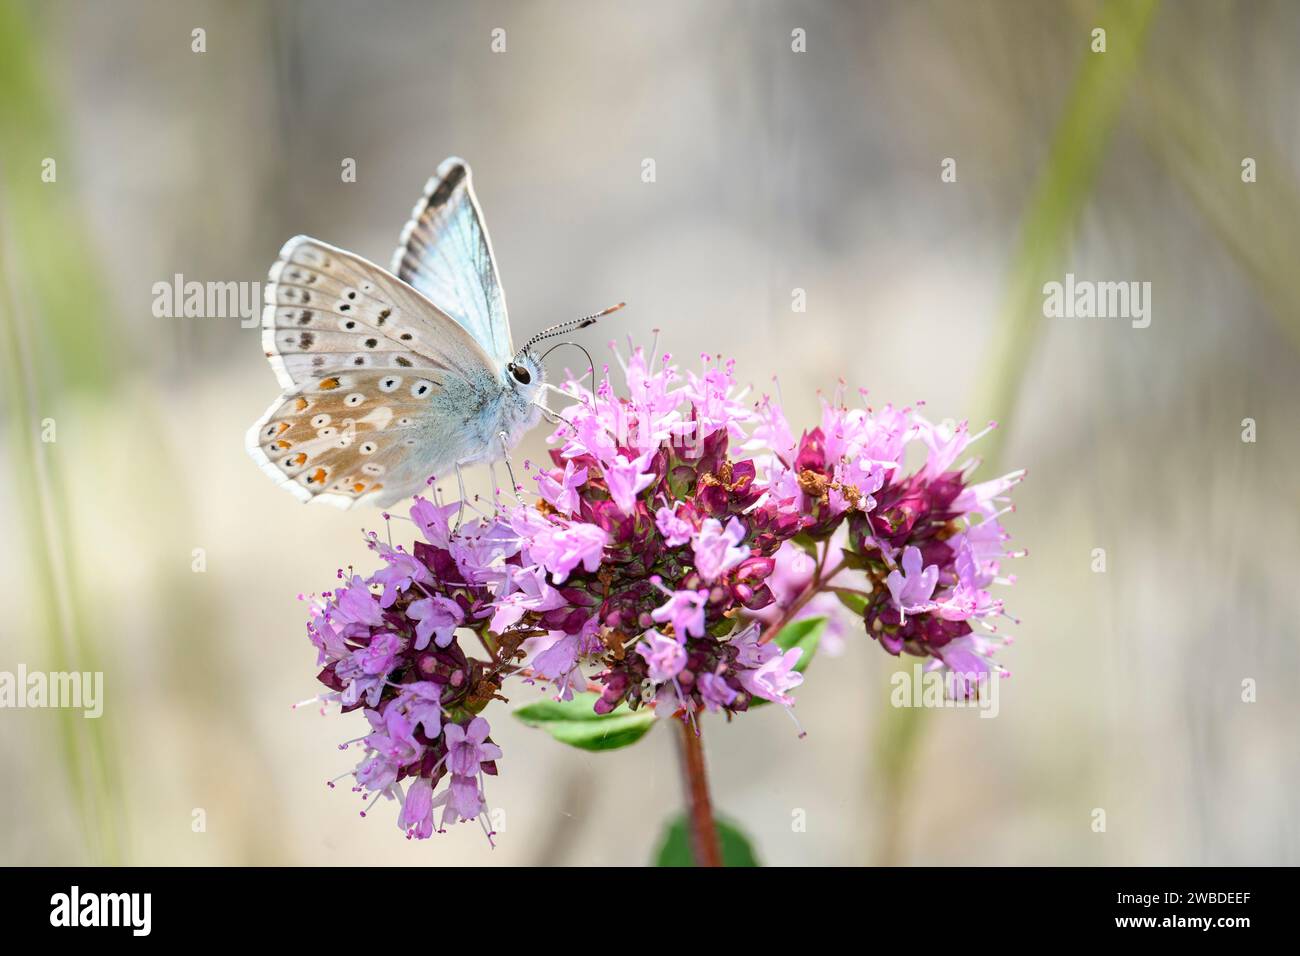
(520,373)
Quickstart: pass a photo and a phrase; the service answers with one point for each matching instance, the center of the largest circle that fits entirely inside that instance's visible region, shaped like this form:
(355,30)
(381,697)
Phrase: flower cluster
(676,531)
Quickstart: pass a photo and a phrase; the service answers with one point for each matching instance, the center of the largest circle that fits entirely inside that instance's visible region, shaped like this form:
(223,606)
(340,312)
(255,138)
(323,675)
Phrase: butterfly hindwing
(445,253)
(349,435)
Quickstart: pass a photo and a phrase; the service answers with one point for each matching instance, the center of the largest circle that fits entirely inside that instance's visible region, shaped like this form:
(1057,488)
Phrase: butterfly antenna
(564,328)
(590,363)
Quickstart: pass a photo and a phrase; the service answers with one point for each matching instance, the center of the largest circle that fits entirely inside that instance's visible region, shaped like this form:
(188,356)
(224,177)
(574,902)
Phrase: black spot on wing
(455,176)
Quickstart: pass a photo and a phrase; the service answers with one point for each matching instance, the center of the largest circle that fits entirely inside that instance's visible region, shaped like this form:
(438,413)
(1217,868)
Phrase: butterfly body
(389,378)
(482,412)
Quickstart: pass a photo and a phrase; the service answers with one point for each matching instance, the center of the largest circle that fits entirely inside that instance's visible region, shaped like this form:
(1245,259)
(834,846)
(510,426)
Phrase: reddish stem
(814,587)
(699,817)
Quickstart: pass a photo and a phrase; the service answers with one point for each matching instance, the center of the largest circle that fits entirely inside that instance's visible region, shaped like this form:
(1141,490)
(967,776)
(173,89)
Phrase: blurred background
(775,170)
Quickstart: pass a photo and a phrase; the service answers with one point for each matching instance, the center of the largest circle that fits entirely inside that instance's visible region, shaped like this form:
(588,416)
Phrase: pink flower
(417,810)
(715,691)
(549,591)
(328,639)
(434,520)
(356,605)
(862,474)
(773,432)
(626,479)
(437,617)
(393,737)
(479,547)
(377,773)
(531,593)
(421,701)
(676,531)
(987,496)
(969,659)
(713,405)
(985,541)
(400,572)
(555,663)
(563,494)
(717,551)
(463,800)
(665,656)
(467,749)
(944,443)
(685,611)
(749,652)
(561,548)
(912,588)
(380,655)
(771,679)
(589,434)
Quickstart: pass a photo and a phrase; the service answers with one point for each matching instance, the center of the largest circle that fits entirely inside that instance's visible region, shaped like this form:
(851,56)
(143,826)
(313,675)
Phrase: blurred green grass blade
(897,741)
(43,218)
(1258,223)
(1058,197)
(51,316)
(86,748)
(1046,232)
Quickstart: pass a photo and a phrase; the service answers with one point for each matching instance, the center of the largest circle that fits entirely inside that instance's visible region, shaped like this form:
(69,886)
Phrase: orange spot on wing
(281,428)
(328,383)
(283,444)
(299,459)
(359,487)
(301,405)
(316,477)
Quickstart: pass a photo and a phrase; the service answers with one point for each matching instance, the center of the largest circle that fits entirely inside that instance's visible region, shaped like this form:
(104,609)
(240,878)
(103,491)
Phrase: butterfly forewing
(327,309)
(446,254)
(364,360)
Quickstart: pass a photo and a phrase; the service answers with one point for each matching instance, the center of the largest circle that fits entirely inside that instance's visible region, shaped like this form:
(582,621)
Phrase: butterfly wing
(446,254)
(376,380)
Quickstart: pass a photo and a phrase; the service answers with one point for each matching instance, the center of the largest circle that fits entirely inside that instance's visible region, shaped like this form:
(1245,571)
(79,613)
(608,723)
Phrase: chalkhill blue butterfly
(391,377)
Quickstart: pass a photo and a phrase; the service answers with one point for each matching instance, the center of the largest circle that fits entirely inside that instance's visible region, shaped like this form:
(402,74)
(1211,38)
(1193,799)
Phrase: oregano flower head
(676,533)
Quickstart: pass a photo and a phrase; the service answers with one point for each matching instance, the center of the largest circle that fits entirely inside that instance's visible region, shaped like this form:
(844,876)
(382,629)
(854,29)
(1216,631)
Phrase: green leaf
(854,560)
(855,601)
(805,543)
(675,849)
(574,722)
(804,634)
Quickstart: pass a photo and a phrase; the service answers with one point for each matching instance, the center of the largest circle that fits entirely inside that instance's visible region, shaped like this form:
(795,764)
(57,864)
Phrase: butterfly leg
(460,515)
(550,416)
(555,418)
(514,485)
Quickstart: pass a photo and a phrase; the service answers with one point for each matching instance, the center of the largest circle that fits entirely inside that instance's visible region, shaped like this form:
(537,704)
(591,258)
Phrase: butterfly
(390,377)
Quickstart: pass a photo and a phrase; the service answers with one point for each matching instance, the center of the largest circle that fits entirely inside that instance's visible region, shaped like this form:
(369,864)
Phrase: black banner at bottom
(349,905)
